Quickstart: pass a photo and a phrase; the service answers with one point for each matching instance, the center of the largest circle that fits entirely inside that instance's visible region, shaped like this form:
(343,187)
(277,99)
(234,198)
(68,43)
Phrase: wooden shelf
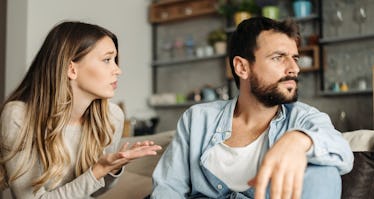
(297,19)
(312,51)
(173,10)
(186,60)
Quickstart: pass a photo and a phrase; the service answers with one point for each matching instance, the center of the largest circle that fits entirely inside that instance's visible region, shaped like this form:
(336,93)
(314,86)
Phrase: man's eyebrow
(281,53)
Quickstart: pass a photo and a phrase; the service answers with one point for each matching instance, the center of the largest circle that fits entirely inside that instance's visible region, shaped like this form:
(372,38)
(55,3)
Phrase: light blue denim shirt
(181,172)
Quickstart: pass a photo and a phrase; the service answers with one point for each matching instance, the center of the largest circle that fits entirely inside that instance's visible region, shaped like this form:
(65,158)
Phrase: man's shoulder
(211,107)
(300,106)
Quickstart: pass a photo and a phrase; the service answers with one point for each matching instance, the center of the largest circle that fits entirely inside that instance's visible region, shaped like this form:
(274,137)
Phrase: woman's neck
(79,107)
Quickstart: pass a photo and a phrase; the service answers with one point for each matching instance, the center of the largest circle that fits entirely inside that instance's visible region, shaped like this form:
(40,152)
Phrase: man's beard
(270,95)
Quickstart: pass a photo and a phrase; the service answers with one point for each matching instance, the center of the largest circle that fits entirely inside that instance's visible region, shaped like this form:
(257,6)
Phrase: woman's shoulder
(13,110)
(12,118)
(116,113)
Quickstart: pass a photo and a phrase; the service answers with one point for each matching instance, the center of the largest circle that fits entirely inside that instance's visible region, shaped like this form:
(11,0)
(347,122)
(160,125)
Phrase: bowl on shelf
(305,61)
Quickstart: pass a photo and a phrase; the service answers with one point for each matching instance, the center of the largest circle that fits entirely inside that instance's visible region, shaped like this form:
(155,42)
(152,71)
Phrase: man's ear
(241,67)
(72,70)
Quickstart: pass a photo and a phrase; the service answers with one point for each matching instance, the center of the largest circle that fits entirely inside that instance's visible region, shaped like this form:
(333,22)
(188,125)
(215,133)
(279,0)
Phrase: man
(261,144)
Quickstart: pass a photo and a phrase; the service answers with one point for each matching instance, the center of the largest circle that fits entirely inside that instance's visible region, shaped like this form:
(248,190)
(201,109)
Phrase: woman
(59,134)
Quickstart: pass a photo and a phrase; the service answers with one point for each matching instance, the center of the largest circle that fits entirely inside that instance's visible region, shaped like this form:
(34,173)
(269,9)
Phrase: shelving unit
(173,10)
(350,92)
(179,105)
(342,60)
(162,63)
(175,70)
(312,51)
(327,41)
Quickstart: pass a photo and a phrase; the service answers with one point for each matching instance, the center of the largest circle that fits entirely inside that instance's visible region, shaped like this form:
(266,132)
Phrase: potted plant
(217,38)
(238,10)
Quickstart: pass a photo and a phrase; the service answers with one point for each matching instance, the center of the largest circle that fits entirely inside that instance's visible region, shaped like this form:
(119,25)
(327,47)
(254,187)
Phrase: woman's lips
(114,85)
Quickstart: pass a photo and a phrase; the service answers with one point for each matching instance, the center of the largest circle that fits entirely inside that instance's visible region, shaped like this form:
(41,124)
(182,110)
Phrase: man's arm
(171,177)
(284,164)
(310,139)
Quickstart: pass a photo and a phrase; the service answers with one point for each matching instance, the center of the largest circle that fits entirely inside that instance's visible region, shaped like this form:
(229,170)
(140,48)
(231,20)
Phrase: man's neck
(253,112)
(251,119)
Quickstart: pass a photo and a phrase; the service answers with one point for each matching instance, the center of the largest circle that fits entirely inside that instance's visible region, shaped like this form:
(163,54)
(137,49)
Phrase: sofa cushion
(360,140)
(130,186)
(136,181)
(359,183)
(145,166)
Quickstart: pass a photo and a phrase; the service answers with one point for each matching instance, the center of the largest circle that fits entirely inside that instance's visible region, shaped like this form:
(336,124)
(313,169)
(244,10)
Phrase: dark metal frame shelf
(346,39)
(350,92)
(186,60)
(180,105)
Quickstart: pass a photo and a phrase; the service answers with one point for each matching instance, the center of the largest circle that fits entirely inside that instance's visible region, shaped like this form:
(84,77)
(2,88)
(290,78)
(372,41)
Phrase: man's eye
(107,60)
(277,58)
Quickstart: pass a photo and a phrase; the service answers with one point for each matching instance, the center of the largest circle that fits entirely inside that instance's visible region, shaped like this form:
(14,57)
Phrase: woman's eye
(107,60)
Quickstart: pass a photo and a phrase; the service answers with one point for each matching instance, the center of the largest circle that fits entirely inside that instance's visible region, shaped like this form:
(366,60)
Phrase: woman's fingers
(141,152)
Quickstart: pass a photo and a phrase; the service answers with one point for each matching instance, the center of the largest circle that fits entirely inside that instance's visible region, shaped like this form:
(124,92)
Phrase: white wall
(30,20)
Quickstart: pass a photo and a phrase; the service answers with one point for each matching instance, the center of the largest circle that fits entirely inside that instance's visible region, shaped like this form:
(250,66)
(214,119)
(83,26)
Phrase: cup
(362,85)
(305,61)
(271,12)
(302,8)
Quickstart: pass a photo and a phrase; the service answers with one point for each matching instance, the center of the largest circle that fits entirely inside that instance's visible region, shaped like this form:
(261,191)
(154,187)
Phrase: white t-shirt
(235,166)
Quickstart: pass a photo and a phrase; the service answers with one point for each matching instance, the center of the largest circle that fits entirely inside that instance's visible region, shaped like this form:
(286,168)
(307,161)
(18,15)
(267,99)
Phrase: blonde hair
(48,97)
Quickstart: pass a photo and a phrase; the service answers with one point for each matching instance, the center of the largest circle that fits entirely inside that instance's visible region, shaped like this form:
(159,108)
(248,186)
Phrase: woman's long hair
(48,97)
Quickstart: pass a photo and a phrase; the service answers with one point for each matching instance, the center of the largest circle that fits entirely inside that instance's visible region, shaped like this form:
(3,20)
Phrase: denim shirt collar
(225,123)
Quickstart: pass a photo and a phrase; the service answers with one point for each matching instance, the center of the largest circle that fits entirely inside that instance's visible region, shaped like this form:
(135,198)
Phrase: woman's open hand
(114,161)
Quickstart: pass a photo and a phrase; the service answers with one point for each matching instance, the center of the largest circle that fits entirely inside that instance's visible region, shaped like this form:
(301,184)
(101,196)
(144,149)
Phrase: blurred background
(173,52)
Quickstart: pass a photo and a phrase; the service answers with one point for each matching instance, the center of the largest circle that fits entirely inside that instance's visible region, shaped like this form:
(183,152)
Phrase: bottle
(344,87)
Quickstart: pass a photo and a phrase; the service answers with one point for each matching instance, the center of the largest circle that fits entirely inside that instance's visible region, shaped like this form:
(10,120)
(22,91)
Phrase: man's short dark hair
(243,41)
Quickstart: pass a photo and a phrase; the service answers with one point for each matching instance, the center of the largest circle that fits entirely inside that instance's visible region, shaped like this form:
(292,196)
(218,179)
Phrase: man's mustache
(287,78)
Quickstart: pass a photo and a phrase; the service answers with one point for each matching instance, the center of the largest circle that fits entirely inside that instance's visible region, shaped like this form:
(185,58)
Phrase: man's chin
(290,95)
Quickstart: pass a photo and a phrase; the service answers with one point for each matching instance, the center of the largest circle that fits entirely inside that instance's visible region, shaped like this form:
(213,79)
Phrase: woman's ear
(72,70)
(241,67)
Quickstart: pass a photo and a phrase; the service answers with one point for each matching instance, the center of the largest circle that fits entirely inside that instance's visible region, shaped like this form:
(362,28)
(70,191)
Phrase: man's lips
(289,82)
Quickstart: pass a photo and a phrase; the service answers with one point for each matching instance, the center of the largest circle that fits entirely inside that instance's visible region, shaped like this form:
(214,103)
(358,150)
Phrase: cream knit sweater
(83,186)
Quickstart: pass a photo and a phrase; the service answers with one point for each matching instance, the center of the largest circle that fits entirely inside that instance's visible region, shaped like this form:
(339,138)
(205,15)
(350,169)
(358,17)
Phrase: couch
(136,181)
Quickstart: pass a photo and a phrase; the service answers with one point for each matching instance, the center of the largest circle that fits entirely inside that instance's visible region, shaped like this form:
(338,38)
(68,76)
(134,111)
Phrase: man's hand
(284,165)
(114,161)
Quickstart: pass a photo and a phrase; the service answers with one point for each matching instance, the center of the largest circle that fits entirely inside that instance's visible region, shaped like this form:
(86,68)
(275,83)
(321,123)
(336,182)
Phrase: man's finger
(277,184)
(262,180)
(287,189)
(298,185)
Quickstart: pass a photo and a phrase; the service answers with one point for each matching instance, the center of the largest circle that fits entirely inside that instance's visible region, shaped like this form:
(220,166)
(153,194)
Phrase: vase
(240,16)
(302,8)
(220,47)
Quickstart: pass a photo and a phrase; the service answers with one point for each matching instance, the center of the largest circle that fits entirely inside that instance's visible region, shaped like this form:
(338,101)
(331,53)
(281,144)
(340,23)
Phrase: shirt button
(219,186)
